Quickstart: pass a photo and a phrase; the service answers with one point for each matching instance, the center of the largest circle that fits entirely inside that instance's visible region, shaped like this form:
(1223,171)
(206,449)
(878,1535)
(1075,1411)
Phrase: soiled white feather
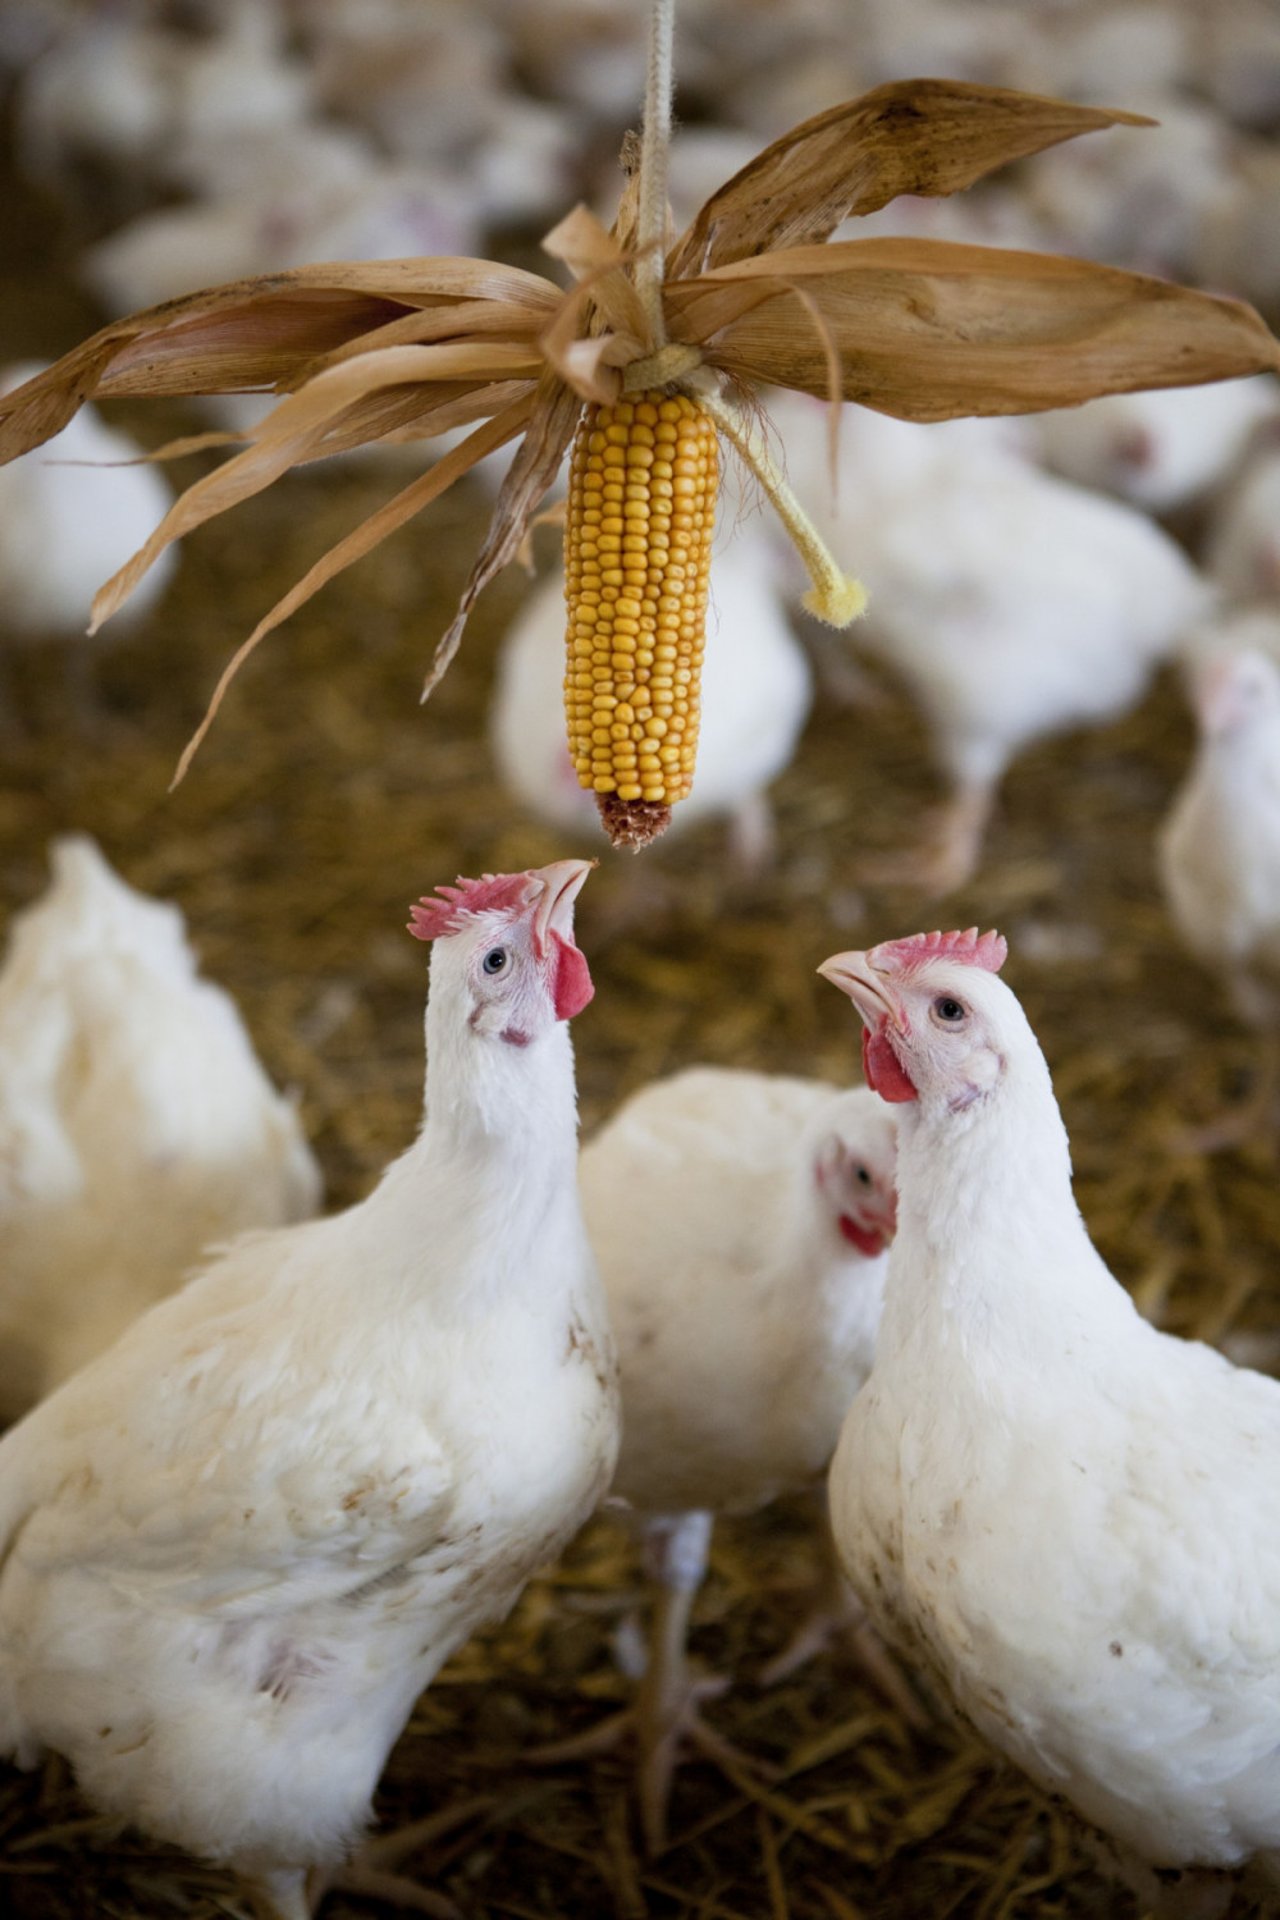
(1071,1519)
(70,514)
(137,1127)
(235,1548)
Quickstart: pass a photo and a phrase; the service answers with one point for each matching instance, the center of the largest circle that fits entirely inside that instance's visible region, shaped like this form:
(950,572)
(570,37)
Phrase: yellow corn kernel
(637,560)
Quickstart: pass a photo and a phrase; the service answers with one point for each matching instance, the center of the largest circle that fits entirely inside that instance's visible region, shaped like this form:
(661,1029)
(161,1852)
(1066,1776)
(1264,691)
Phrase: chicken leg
(668,1696)
(838,1619)
(951,851)
(294,1894)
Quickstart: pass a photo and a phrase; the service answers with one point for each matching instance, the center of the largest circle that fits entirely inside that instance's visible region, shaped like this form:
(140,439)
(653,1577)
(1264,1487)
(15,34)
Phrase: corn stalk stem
(655,140)
(835,597)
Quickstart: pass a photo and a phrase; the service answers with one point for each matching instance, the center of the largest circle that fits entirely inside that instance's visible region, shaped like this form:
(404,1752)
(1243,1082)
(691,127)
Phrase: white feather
(745,1320)
(137,1127)
(1071,1519)
(1013,604)
(70,514)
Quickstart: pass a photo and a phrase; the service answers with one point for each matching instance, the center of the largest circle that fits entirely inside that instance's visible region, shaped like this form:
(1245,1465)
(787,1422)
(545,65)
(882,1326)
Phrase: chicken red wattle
(544,896)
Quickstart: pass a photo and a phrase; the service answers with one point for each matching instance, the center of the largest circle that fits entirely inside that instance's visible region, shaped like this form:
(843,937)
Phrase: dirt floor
(324,801)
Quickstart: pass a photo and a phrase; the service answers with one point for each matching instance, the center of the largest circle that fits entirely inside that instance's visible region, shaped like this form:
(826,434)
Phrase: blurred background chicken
(1220,857)
(70,514)
(740,1221)
(1162,449)
(1242,541)
(137,1126)
(1011,604)
(153,140)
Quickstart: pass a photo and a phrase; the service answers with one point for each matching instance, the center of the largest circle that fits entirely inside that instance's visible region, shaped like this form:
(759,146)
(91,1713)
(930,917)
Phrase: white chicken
(1238,246)
(137,1127)
(1220,847)
(1145,200)
(1013,604)
(1233,629)
(324,202)
(1117,50)
(1242,545)
(740,1221)
(235,1548)
(1159,449)
(126,93)
(756,694)
(1240,64)
(1220,857)
(1069,1518)
(70,514)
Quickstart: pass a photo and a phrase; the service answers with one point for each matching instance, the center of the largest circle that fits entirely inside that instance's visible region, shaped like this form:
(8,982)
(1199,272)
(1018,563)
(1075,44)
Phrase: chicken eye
(495,960)
(945,1008)
(863,1177)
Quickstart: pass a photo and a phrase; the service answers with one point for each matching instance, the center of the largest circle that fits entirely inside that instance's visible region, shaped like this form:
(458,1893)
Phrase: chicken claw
(669,1693)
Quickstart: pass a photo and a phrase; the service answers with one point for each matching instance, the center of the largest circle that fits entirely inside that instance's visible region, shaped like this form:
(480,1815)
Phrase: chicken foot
(371,1873)
(665,1712)
(838,1619)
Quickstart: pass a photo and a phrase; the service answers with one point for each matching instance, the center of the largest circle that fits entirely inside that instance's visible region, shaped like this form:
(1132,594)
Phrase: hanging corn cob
(642,495)
(755,290)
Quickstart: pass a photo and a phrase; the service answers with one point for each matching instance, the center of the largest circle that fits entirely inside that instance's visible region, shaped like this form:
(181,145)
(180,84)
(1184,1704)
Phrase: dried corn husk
(752,292)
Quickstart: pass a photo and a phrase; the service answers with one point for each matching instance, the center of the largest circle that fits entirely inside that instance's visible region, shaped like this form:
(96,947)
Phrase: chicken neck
(493,1171)
(992,1260)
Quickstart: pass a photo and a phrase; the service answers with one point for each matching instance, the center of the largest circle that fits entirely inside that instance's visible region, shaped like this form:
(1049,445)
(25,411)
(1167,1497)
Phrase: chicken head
(506,941)
(930,1024)
(855,1176)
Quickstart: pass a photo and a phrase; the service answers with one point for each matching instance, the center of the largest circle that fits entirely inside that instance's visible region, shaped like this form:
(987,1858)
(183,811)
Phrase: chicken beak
(562,882)
(854,975)
(870,993)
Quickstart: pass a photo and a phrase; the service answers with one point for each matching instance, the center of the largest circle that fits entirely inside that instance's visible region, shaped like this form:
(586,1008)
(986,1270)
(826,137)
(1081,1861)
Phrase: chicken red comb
(491,893)
(971,949)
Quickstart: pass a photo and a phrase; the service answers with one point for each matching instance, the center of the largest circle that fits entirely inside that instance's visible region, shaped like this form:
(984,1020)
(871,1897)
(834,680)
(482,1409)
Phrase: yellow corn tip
(642,495)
